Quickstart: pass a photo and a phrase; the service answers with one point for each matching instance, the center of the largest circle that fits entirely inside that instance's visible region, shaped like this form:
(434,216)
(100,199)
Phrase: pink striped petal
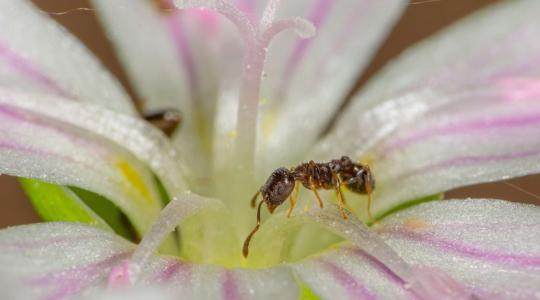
(48,147)
(370,269)
(350,273)
(172,62)
(306,80)
(492,247)
(38,54)
(143,140)
(35,256)
(455,119)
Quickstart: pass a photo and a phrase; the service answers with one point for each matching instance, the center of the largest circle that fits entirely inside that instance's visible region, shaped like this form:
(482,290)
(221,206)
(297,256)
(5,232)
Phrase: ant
(313,176)
(166,120)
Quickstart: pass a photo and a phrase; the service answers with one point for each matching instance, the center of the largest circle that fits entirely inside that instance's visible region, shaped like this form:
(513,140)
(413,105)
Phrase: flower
(434,119)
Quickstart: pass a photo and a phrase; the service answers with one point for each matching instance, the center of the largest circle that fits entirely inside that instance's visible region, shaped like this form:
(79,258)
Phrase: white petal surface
(144,141)
(350,273)
(172,62)
(439,118)
(490,246)
(38,54)
(36,256)
(306,80)
(34,145)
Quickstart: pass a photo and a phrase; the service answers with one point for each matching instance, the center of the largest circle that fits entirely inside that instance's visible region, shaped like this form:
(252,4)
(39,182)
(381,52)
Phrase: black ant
(313,176)
(166,120)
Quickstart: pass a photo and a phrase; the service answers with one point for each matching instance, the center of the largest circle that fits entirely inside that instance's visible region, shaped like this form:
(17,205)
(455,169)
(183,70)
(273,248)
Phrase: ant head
(277,188)
(361,179)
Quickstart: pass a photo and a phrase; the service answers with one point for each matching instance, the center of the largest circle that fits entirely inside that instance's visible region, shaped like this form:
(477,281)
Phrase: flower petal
(35,255)
(59,260)
(456,118)
(37,145)
(171,62)
(370,269)
(38,54)
(349,273)
(490,246)
(144,141)
(305,80)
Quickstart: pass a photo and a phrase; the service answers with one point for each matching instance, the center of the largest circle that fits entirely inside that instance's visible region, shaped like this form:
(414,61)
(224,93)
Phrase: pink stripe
(44,122)
(354,288)
(184,52)
(172,269)
(317,16)
(384,270)
(468,250)
(514,294)
(229,286)
(469,160)
(350,28)
(248,7)
(465,128)
(29,70)
(70,282)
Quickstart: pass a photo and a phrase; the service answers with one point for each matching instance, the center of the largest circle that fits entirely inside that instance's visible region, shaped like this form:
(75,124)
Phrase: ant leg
(367,187)
(371,219)
(292,198)
(254,199)
(245,249)
(341,198)
(314,189)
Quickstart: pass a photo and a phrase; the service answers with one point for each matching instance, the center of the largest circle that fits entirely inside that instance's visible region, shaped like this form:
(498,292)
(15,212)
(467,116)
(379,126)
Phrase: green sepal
(58,203)
(306,293)
(406,205)
(109,212)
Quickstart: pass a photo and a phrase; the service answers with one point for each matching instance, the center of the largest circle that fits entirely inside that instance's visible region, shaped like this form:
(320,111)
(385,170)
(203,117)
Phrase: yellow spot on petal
(268,121)
(263,101)
(134,179)
(416,224)
(232,134)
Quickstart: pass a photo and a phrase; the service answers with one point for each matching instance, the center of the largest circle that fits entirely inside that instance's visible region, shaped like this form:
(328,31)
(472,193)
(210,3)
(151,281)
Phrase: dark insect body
(331,175)
(167,120)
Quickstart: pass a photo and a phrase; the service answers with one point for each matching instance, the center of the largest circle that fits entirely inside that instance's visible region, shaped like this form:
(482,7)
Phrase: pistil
(257,38)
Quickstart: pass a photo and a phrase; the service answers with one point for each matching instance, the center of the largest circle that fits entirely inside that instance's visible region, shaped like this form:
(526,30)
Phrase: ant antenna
(254,199)
(245,249)
(367,186)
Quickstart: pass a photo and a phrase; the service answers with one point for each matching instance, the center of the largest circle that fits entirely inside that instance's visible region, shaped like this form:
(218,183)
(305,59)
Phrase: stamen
(256,39)
(172,215)
(269,13)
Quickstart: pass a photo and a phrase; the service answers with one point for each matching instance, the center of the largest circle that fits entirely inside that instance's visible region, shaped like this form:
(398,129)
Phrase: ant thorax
(316,175)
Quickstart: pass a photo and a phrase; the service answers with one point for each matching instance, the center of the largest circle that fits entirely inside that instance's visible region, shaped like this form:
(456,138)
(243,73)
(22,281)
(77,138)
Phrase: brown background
(421,19)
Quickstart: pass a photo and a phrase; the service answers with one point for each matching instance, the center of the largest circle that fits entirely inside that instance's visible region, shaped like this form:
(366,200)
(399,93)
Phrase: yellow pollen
(232,134)
(268,121)
(134,179)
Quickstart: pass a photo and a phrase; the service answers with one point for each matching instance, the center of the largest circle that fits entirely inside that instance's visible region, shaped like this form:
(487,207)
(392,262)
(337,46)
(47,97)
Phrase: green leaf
(57,203)
(406,205)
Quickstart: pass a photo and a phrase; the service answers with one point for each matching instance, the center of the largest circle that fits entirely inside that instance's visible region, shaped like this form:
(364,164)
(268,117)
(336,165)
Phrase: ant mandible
(313,176)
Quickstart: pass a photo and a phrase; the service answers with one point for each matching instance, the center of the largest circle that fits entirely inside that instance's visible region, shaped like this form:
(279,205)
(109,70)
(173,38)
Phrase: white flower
(460,108)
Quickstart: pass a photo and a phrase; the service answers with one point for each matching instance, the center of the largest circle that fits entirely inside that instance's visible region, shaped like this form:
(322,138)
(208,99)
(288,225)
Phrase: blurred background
(421,19)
